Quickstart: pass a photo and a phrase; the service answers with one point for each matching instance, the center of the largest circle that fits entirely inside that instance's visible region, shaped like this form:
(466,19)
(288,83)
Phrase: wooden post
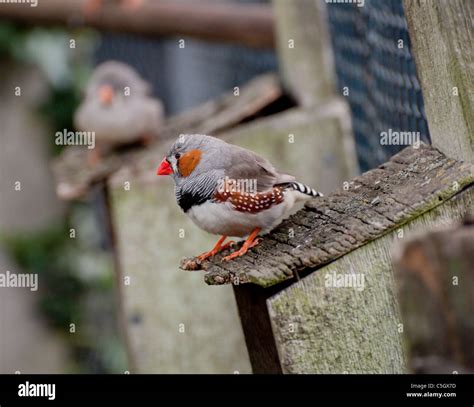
(441,38)
(252,304)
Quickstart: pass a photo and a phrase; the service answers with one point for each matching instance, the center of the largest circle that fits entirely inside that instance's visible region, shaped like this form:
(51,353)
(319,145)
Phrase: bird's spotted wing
(252,203)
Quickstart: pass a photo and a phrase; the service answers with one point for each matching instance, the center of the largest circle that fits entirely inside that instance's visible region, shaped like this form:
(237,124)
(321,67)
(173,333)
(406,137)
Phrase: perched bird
(230,191)
(118,107)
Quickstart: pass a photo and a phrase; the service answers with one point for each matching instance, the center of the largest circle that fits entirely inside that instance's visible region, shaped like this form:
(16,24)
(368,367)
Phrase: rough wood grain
(441,38)
(411,183)
(74,177)
(303,47)
(322,328)
(435,278)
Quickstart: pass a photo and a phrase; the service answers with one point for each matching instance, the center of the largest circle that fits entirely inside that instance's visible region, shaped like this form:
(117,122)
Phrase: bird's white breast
(221,218)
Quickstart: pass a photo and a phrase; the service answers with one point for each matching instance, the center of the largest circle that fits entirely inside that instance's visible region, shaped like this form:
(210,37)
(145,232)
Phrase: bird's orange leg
(251,241)
(216,249)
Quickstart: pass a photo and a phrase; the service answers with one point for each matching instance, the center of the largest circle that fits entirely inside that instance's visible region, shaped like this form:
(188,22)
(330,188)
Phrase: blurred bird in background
(118,108)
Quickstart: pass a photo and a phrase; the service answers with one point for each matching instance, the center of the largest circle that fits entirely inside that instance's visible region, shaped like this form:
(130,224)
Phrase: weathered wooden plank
(435,278)
(304,47)
(441,38)
(321,327)
(74,177)
(411,183)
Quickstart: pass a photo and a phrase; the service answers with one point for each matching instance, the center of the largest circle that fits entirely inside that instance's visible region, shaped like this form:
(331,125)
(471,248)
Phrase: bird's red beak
(106,94)
(164,168)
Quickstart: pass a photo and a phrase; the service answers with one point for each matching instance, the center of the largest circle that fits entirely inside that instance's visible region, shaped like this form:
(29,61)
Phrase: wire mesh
(375,65)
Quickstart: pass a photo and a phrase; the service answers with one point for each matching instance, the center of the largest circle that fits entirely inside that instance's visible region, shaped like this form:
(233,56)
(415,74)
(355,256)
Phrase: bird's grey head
(115,81)
(194,155)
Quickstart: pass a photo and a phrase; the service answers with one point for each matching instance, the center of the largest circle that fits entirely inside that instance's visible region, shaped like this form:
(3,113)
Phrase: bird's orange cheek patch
(188,162)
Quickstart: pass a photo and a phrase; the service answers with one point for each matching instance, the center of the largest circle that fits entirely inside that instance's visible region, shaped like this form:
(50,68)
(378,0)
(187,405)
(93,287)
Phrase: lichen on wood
(371,205)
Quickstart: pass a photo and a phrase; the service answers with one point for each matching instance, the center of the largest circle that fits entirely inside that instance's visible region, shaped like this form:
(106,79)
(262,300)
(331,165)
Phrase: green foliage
(45,253)
(12,41)
(59,110)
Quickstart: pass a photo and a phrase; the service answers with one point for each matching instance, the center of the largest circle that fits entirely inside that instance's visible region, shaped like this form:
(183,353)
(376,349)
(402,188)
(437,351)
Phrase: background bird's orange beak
(164,168)
(106,94)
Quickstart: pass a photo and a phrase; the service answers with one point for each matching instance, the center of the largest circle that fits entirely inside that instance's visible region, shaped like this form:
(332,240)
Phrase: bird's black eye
(177,155)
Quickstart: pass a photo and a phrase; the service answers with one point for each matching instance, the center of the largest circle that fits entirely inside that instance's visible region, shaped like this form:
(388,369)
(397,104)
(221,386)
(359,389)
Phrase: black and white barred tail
(297,186)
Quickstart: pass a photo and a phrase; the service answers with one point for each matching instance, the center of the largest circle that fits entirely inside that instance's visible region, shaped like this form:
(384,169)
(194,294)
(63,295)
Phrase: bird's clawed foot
(216,249)
(252,241)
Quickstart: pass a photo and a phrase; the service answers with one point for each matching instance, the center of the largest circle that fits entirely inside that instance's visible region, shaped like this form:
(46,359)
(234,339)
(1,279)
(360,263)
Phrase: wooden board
(320,328)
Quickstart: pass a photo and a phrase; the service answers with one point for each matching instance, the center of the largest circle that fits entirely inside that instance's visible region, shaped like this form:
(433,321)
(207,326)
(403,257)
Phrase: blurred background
(73,323)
